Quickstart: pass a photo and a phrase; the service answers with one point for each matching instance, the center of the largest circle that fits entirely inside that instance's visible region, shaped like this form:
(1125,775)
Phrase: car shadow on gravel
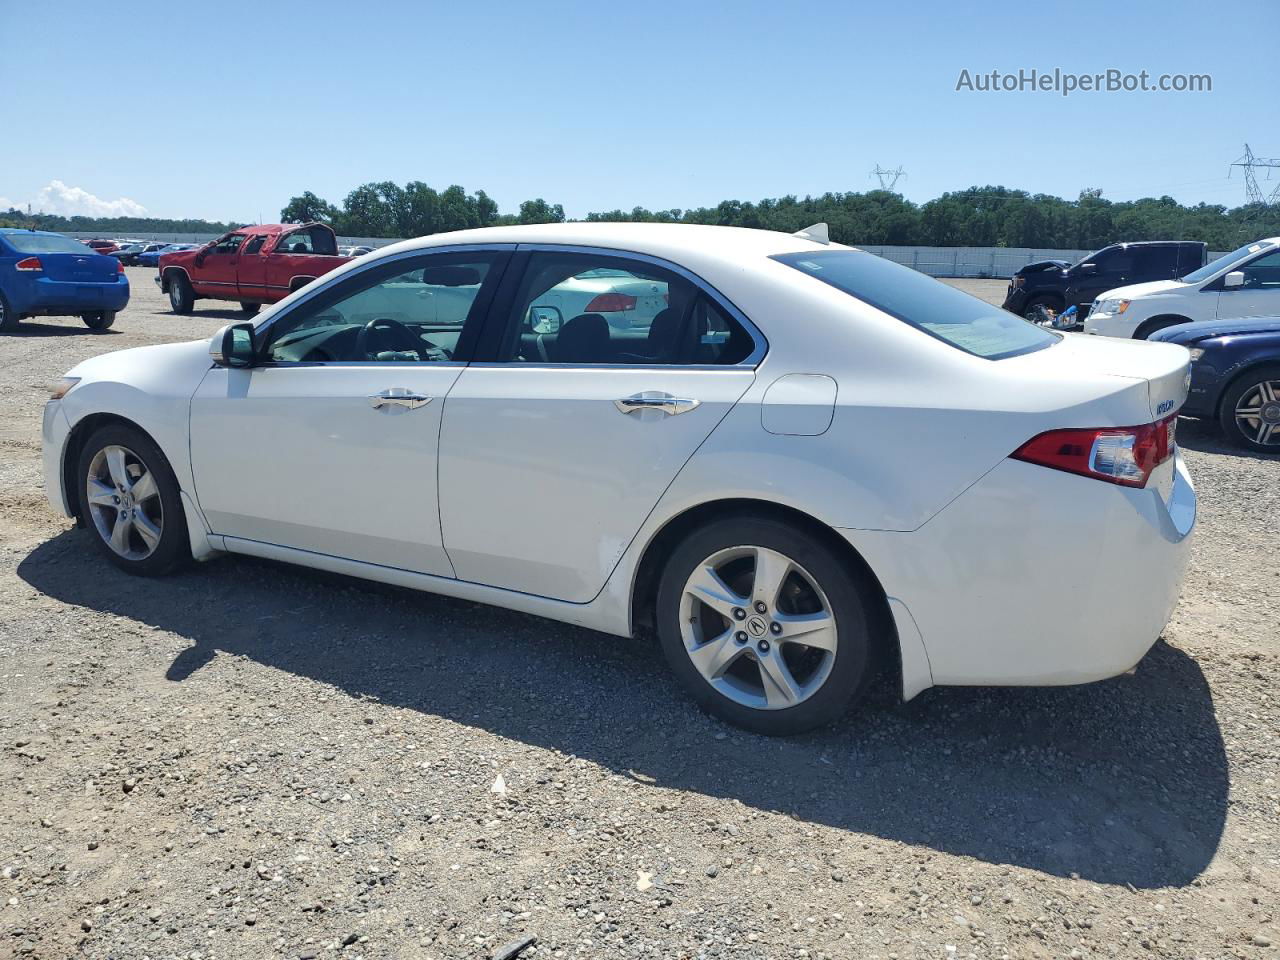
(29,328)
(1207,437)
(1120,782)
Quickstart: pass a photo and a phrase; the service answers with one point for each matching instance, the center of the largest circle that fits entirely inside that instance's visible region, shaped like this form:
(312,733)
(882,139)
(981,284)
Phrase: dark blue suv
(1235,377)
(49,275)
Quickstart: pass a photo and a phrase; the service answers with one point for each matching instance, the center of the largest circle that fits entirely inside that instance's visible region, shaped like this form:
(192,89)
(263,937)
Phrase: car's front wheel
(250,309)
(765,626)
(1250,412)
(101,320)
(130,501)
(181,297)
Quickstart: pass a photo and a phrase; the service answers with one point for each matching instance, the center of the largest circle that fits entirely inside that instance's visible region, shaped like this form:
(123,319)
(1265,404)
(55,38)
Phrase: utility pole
(888,178)
(1251,165)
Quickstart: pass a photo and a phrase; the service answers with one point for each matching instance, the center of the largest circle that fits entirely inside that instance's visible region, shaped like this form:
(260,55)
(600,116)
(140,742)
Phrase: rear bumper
(57,298)
(1038,577)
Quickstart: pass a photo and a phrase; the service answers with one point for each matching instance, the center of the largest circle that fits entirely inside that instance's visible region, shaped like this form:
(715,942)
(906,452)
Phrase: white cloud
(68,201)
(6,203)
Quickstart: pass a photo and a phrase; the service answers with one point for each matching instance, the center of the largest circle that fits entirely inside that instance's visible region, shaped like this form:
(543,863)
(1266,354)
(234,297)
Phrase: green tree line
(980,216)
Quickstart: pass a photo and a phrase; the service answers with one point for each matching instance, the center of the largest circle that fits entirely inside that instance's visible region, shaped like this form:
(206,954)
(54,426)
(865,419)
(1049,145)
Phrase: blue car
(49,275)
(1235,377)
(151,256)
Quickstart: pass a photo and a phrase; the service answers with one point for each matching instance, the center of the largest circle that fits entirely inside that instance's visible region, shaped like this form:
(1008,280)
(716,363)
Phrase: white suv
(1243,283)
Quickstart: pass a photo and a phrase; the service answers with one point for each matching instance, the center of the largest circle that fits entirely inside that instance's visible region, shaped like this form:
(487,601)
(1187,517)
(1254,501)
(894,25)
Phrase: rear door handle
(398,397)
(652,400)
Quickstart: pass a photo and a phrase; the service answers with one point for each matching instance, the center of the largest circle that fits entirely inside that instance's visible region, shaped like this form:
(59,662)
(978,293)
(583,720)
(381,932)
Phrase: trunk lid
(87,267)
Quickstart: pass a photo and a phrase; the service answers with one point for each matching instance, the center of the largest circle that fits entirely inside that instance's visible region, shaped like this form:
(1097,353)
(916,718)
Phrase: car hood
(1204,330)
(1136,290)
(164,364)
(1040,266)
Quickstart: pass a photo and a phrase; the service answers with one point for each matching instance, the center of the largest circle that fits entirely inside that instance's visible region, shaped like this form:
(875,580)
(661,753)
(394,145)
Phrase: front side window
(255,244)
(941,311)
(1263,273)
(573,308)
(1224,261)
(403,312)
(229,244)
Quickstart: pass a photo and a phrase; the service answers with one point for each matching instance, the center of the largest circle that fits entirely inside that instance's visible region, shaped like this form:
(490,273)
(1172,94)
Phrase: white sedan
(814,464)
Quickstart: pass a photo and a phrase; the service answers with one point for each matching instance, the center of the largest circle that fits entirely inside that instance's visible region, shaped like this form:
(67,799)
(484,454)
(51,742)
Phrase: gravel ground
(249,760)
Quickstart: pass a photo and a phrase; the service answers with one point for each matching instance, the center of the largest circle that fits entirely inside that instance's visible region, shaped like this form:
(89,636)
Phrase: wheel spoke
(706,585)
(117,468)
(100,494)
(780,687)
(771,571)
(1268,391)
(714,657)
(1251,413)
(120,534)
(810,629)
(1266,431)
(144,488)
(149,532)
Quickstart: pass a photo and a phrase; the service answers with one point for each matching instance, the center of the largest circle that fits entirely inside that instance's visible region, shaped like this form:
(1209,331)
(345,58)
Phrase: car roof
(41,233)
(658,239)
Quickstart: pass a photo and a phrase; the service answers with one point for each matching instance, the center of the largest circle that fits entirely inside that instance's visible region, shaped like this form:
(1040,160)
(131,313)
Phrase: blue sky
(225,109)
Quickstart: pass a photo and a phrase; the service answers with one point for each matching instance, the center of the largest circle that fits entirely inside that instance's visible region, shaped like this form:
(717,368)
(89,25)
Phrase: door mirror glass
(1233,280)
(232,346)
(544,319)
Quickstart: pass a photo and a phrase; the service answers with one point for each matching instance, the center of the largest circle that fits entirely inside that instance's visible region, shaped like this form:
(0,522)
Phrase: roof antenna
(816,232)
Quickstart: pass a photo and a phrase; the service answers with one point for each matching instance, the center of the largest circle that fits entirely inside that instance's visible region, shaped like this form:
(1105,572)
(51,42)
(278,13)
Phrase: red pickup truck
(252,265)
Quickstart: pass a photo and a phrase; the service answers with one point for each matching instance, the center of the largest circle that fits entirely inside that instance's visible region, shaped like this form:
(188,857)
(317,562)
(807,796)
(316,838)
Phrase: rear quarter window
(932,307)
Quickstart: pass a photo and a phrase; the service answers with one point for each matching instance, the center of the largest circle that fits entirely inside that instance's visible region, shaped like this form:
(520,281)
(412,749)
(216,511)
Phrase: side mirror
(1233,280)
(545,319)
(1087,268)
(233,346)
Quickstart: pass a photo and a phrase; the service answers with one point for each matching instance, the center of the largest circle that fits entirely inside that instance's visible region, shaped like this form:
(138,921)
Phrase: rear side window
(312,240)
(43,243)
(932,307)
(255,245)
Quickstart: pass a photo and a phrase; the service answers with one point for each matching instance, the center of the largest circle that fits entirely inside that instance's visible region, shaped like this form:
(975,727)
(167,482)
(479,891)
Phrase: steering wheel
(408,339)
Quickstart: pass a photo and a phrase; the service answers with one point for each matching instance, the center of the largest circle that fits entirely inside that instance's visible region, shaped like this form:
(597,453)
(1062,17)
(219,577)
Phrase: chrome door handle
(664,402)
(398,397)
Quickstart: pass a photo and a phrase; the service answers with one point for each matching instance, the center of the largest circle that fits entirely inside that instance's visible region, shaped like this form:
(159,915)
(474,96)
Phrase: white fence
(999,262)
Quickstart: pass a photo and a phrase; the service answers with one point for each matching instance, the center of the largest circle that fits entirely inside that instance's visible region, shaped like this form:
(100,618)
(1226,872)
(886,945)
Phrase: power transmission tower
(1250,165)
(888,178)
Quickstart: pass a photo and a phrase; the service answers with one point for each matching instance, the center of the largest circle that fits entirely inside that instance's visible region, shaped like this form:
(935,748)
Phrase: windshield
(954,317)
(1209,269)
(45,243)
(1087,258)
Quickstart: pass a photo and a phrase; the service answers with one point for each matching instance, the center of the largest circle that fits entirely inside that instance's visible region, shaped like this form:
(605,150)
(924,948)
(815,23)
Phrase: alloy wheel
(758,627)
(124,502)
(1258,413)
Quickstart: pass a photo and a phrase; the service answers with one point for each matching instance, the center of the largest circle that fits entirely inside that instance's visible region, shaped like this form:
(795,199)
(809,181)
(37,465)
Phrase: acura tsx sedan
(810,465)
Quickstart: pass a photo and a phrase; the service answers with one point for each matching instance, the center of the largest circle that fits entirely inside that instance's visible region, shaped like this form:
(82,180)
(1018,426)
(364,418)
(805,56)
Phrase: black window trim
(502,316)
(339,286)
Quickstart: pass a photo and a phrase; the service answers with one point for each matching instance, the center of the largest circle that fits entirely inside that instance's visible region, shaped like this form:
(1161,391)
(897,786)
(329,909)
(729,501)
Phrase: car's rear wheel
(101,320)
(130,502)
(1250,413)
(181,297)
(8,319)
(250,309)
(766,627)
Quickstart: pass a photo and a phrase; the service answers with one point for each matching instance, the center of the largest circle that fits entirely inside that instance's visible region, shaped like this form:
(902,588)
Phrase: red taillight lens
(1123,455)
(119,266)
(29,265)
(611,303)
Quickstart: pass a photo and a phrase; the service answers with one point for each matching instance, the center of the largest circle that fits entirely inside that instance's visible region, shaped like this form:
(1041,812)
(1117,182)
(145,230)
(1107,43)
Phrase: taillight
(29,265)
(119,266)
(1017,282)
(1123,455)
(611,303)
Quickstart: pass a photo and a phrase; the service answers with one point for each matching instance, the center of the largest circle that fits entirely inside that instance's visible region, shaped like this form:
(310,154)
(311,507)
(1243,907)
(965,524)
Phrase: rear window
(44,243)
(954,317)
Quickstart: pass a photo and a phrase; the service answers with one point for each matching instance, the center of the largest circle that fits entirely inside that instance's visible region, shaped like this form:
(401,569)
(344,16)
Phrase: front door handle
(653,400)
(398,397)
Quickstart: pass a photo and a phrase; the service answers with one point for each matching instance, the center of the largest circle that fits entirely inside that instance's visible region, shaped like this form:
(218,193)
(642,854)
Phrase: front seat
(584,339)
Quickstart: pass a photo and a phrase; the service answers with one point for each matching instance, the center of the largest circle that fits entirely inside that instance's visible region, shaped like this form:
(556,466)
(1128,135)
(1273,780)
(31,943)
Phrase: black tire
(250,309)
(181,297)
(102,320)
(173,549)
(1243,386)
(1031,310)
(8,319)
(1148,327)
(851,603)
